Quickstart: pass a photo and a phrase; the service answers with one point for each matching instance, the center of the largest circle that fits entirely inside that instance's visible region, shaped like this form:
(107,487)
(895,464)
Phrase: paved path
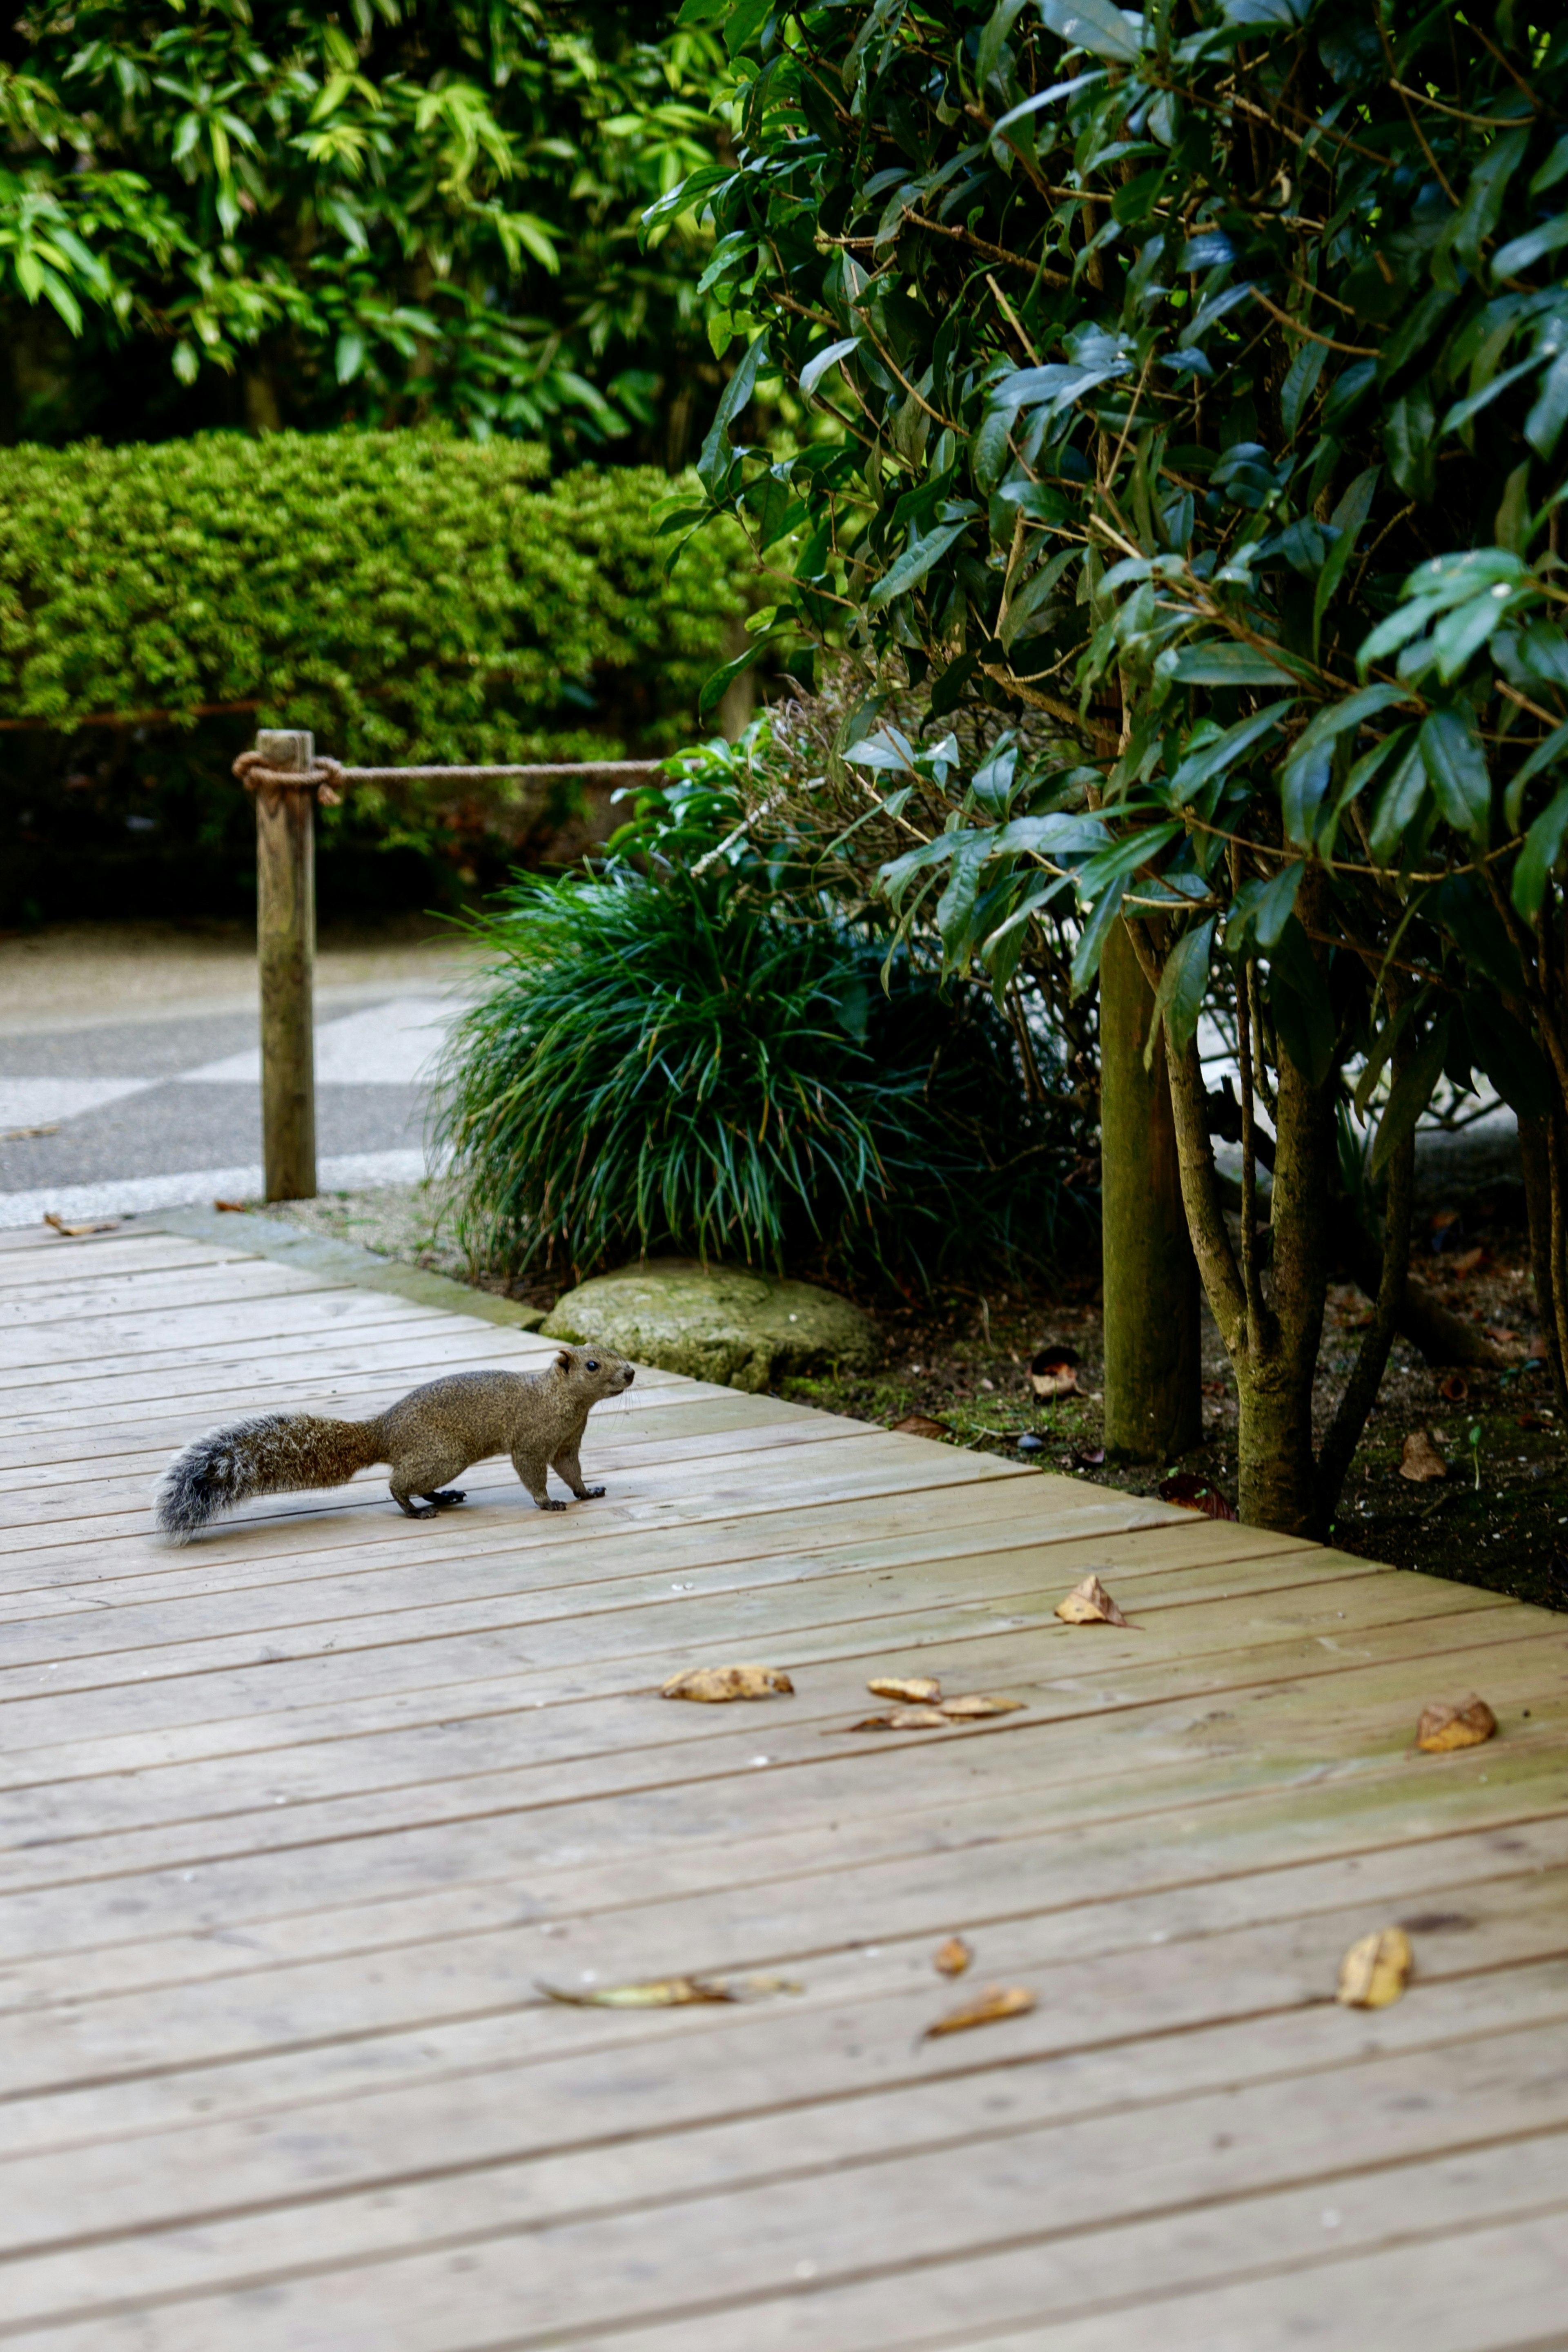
(113,1116)
(294,1824)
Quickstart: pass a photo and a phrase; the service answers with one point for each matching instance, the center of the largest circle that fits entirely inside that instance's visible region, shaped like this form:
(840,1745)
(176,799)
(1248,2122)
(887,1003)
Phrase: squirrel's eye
(592,1364)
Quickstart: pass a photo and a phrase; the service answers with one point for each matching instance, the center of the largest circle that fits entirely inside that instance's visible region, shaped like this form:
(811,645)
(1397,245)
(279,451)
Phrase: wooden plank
(1109,1900)
(292,1821)
(719,2201)
(1416,2259)
(583,1805)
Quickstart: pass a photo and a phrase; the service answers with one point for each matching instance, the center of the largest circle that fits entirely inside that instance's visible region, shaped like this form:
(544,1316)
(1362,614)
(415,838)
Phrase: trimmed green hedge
(410,597)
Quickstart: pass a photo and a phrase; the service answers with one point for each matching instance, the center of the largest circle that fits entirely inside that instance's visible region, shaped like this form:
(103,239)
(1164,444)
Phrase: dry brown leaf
(919,1690)
(974,1706)
(919,1424)
(74,1233)
(235,1208)
(1467,1261)
(987,2007)
(23,1134)
(1089,1603)
(1191,1492)
(1375,1970)
(714,1684)
(904,1718)
(952,1957)
(670,1992)
(1420,1459)
(1443,1727)
(1053,1372)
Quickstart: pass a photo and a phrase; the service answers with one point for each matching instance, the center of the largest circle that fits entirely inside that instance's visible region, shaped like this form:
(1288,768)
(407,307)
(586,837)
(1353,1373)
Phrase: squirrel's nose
(631,1375)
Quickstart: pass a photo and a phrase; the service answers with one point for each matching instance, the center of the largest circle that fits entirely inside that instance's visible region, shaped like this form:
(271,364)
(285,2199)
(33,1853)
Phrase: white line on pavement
(123,1196)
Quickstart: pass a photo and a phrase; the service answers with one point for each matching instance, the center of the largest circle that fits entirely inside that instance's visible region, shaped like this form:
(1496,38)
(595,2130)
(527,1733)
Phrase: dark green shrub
(410,597)
(679,1062)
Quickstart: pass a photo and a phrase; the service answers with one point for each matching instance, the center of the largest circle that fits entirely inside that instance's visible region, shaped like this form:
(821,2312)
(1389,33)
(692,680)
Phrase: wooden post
(1154,1397)
(286,947)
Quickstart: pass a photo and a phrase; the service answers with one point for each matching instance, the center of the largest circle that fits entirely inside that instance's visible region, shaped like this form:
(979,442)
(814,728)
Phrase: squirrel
(428,1436)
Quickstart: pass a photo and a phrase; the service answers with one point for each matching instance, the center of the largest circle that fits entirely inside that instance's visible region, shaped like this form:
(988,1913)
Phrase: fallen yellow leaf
(664,1992)
(976,1704)
(1443,1727)
(1089,1603)
(714,1685)
(904,1718)
(987,2008)
(952,1957)
(917,1689)
(1375,1970)
(671,1992)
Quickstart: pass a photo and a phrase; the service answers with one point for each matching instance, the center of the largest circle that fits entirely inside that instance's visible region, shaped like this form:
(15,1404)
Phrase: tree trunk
(1277,1484)
(1154,1401)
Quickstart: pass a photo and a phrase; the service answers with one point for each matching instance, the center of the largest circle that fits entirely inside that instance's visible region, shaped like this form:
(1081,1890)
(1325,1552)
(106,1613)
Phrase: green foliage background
(409,596)
(275,212)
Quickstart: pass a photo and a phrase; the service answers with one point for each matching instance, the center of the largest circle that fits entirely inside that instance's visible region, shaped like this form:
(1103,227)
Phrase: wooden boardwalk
(295,1821)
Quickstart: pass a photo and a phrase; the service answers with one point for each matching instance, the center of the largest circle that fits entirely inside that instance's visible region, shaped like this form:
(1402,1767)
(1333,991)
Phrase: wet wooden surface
(295,1821)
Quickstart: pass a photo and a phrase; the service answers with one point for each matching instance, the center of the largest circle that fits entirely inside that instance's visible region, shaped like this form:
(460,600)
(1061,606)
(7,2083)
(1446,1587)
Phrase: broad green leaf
(1347,520)
(1095,26)
(1544,425)
(1523,252)
(1457,768)
(1212,757)
(1548,754)
(1178,1000)
(1543,847)
(1092,938)
(1300,382)
(1383,1045)
(816,367)
(999,25)
(716,686)
(1221,662)
(1276,903)
(1114,864)
(914,563)
(715,452)
(1059,836)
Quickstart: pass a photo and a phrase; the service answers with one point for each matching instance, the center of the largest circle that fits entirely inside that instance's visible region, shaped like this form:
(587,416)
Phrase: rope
(327,778)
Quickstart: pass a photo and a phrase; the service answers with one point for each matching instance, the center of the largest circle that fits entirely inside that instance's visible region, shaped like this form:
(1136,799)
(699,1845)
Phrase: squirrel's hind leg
(425,1472)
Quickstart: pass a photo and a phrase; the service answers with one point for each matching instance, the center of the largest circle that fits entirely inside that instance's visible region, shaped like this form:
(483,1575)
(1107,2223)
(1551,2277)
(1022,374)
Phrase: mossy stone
(721,1323)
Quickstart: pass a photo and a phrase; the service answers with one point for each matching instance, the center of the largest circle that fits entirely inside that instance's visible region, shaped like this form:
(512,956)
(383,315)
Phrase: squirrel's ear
(563,1358)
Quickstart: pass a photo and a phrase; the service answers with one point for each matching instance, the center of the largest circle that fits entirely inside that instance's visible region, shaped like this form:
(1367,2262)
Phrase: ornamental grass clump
(674,1064)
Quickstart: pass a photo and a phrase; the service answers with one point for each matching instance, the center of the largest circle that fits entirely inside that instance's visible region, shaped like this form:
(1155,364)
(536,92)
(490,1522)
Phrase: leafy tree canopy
(1198,379)
(266,211)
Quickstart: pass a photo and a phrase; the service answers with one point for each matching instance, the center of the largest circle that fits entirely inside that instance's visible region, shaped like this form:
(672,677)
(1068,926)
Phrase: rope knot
(324,777)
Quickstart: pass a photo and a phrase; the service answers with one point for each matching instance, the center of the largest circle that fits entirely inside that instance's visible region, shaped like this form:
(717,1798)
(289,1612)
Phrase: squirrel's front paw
(549,1504)
(590,1493)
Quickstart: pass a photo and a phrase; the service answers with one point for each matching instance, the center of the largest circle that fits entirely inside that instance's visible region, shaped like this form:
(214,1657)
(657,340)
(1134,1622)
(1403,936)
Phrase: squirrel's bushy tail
(275,1453)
